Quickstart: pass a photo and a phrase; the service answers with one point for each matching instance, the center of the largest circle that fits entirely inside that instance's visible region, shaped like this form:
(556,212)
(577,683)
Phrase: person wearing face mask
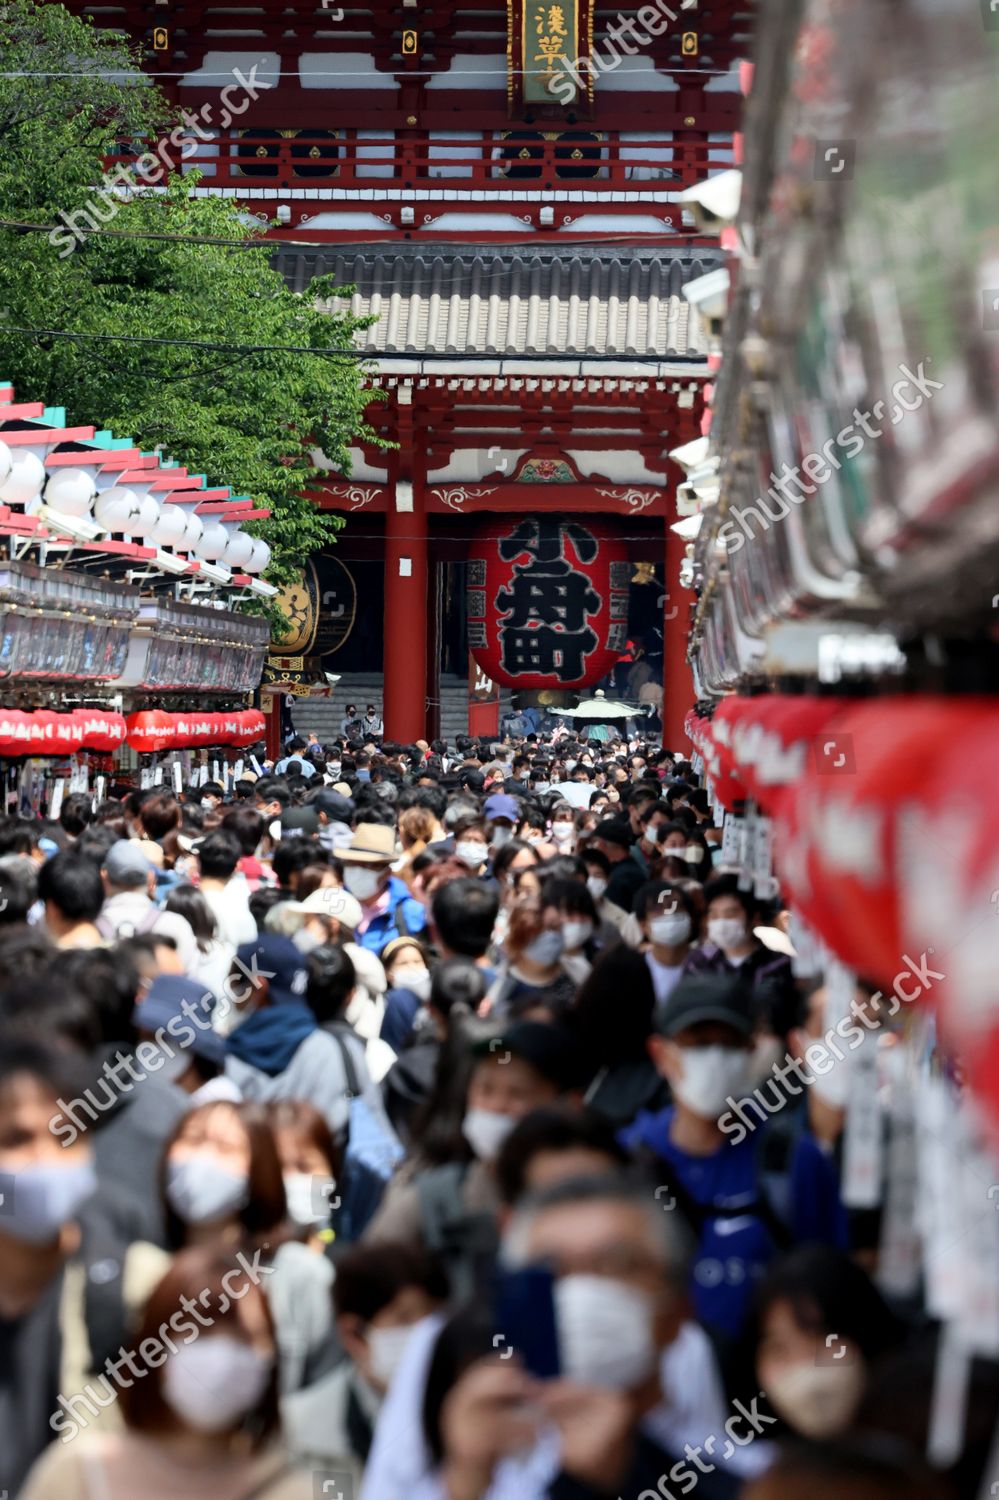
(448,1201)
(471,842)
(47,1176)
(532,973)
(820,1325)
(666,916)
(572,902)
(563,828)
(502,813)
(202,1421)
(382,1294)
(407,975)
(731,946)
(598,869)
(311,1168)
(222,1183)
(740,1211)
(388,909)
(607,1423)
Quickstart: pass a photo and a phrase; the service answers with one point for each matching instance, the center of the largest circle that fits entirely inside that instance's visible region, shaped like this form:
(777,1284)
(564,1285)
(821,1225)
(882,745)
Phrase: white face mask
(693,854)
(563,833)
(727,933)
(576,933)
(361,882)
(596,885)
(546,947)
(604,1332)
(386,1347)
(818,1401)
(213,1382)
(541,787)
(485,1131)
(471,851)
(502,833)
(200,1190)
(711,1075)
(308,1199)
(671,929)
(416,980)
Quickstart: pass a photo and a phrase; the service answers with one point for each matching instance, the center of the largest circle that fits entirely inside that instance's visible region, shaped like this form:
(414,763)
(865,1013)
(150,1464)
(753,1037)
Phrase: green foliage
(251,420)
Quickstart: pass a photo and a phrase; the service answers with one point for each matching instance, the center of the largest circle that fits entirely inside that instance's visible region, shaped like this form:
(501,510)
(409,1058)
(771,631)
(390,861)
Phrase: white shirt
(234,922)
(664,977)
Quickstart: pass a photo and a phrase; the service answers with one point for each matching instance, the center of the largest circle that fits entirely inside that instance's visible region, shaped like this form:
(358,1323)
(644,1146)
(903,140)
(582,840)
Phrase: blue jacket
(411,918)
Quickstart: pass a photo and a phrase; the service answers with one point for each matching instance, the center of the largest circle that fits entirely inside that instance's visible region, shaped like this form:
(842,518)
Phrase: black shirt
(30,1360)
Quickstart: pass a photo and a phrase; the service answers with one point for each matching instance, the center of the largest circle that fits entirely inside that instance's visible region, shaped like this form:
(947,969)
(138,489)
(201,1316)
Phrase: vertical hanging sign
(549,43)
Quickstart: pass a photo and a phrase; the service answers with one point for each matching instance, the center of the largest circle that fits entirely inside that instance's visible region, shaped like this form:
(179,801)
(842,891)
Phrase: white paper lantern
(259,557)
(213,542)
(70,492)
(117,509)
(145,521)
(26,477)
(5,462)
(239,550)
(171,527)
(194,531)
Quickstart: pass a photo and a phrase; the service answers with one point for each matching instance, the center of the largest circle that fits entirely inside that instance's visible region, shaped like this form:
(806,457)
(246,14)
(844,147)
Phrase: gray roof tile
(466,300)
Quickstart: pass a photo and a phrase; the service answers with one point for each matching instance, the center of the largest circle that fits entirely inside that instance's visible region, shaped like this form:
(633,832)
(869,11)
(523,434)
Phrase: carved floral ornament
(357,495)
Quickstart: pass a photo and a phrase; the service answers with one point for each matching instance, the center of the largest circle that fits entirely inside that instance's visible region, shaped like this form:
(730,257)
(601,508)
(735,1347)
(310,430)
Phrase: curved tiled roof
(455,300)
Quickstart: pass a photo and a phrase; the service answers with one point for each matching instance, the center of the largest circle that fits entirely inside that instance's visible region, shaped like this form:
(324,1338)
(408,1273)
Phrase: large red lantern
(547,601)
(103,731)
(151,730)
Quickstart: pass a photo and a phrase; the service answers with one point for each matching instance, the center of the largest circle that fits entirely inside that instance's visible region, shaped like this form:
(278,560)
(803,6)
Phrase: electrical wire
(366,354)
(278,244)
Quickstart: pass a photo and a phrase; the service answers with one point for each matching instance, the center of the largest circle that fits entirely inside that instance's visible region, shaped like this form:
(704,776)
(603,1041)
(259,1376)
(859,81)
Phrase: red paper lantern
(102,731)
(948,872)
(151,730)
(547,601)
(253,725)
(842,831)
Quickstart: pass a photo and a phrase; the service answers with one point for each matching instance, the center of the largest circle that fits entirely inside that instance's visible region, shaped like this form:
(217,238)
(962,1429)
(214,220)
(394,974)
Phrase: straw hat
(371,844)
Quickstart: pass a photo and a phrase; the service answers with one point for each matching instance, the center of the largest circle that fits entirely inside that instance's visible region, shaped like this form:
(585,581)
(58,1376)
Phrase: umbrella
(599,707)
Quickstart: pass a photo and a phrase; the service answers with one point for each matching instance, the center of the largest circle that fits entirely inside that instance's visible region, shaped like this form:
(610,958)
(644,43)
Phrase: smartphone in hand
(524,1320)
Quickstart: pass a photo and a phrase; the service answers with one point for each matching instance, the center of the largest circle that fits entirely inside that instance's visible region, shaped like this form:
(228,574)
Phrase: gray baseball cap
(125,865)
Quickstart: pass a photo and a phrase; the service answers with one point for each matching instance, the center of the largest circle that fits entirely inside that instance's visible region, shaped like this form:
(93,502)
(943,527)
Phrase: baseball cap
(500,805)
(614,831)
(337,807)
(276,959)
(179,1006)
(706,997)
(550,1050)
(299,820)
(126,865)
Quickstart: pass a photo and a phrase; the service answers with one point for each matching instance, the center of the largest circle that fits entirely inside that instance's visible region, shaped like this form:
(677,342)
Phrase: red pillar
(272,734)
(405,618)
(678,681)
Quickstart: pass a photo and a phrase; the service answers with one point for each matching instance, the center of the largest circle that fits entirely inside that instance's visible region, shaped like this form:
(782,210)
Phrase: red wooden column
(406,601)
(678,681)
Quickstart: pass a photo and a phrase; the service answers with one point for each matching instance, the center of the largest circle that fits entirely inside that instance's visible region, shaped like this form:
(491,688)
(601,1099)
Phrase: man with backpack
(129,911)
(745,1201)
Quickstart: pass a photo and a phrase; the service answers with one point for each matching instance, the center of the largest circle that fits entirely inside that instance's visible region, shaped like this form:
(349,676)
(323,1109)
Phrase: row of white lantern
(126,512)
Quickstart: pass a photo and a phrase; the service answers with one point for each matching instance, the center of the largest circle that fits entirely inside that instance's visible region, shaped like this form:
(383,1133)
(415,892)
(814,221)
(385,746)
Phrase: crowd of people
(366,1131)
